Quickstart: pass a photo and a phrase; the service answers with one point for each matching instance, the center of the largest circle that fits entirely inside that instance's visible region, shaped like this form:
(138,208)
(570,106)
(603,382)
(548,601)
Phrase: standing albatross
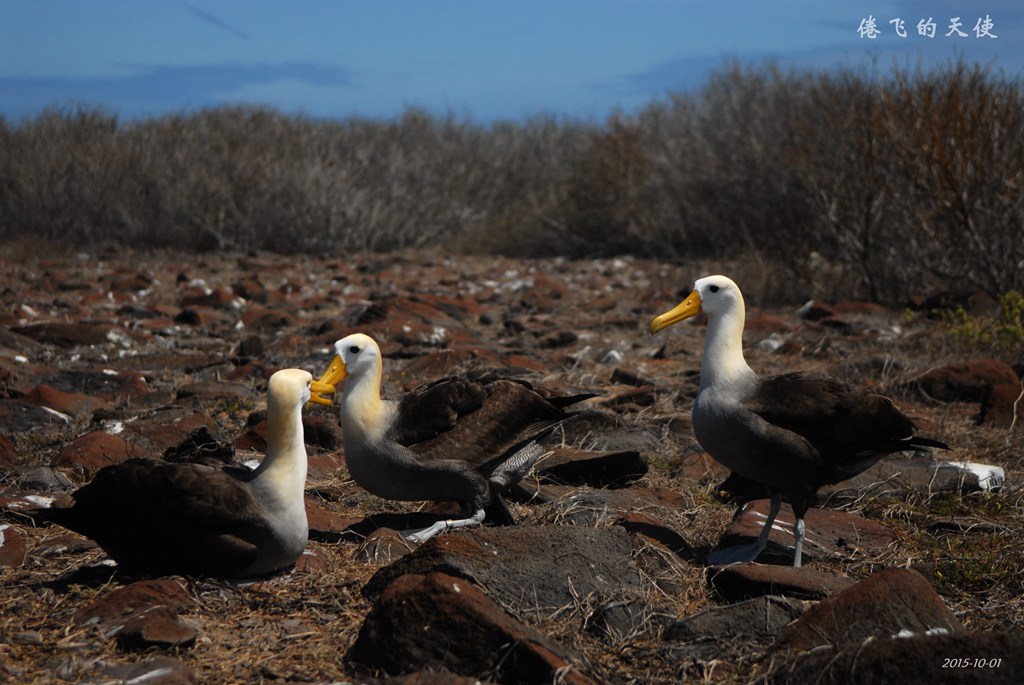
(158,517)
(793,433)
(455,439)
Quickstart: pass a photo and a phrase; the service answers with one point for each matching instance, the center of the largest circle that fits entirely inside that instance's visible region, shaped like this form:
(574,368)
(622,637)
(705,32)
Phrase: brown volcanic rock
(112,608)
(89,453)
(827,532)
(965,381)
(114,383)
(894,478)
(734,631)
(157,670)
(12,546)
(75,404)
(261,318)
(198,297)
(24,418)
(527,568)
(997,407)
(593,468)
(745,581)
(165,428)
(143,614)
(658,532)
(440,621)
(67,334)
(157,627)
(880,606)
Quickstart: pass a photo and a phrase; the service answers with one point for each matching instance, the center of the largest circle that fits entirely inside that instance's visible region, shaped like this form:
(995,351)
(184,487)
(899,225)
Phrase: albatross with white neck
(793,433)
(455,439)
(158,517)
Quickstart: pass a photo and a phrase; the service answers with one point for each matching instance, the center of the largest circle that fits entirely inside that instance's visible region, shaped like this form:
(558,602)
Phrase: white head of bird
(357,360)
(287,392)
(720,298)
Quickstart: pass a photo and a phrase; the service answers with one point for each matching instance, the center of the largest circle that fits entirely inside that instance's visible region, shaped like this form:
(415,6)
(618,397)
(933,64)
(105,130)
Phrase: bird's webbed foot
(423,534)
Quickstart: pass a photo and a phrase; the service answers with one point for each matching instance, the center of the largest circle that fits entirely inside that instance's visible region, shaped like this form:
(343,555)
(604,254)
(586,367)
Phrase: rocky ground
(914,569)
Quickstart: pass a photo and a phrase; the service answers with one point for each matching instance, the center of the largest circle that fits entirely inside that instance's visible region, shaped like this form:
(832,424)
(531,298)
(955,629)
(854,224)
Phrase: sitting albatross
(154,516)
(793,433)
(455,439)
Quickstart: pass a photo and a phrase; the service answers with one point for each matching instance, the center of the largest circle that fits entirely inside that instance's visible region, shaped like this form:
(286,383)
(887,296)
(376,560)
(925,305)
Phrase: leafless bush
(849,183)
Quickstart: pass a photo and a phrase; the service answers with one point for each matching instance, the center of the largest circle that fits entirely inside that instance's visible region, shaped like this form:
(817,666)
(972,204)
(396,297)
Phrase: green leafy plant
(1001,333)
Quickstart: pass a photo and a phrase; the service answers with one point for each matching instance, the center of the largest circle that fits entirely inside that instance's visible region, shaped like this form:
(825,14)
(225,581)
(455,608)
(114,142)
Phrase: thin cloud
(151,89)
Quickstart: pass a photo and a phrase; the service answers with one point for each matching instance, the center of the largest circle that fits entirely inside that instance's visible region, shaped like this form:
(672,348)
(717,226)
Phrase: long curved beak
(684,310)
(334,374)
(318,388)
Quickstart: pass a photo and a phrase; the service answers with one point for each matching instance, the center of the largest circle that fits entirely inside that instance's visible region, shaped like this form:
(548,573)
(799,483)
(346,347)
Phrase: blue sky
(480,59)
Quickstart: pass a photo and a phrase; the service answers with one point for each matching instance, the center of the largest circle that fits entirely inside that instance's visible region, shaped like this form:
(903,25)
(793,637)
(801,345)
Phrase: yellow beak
(687,308)
(334,374)
(318,388)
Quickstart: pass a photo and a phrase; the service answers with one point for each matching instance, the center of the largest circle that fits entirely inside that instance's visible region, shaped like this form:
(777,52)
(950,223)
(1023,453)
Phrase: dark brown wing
(512,413)
(434,408)
(849,426)
(162,517)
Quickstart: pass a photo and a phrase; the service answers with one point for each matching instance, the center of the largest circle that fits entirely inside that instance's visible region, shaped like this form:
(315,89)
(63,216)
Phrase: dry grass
(297,626)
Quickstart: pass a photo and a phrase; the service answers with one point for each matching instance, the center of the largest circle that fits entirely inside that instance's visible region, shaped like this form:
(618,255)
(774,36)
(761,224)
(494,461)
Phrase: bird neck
(284,467)
(362,411)
(723,361)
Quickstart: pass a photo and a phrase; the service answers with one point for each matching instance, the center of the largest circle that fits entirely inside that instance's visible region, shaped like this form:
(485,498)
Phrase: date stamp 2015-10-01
(970,662)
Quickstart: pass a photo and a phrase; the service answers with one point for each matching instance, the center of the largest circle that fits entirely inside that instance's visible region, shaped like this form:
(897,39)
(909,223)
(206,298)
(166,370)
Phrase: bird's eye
(354,349)
(713,288)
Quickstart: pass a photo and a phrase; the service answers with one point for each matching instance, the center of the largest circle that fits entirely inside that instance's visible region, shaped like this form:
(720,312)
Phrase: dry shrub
(849,183)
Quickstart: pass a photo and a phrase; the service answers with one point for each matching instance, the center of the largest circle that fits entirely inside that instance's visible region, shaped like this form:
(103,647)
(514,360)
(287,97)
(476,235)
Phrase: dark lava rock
(59,545)
(620,621)
(597,469)
(143,614)
(23,418)
(588,507)
(965,381)
(531,569)
(998,406)
(12,546)
(881,605)
(89,453)
(895,478)
(67,334)
(732,631)
(991,382)
(44,479)
(127,600)
(384,546)
(112,385)
(761,617)
(827,532)
(74,404)
(440,621)
(153,434)
(745,581)
(157,627)
(157,670)
(659,532)
(202,446)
